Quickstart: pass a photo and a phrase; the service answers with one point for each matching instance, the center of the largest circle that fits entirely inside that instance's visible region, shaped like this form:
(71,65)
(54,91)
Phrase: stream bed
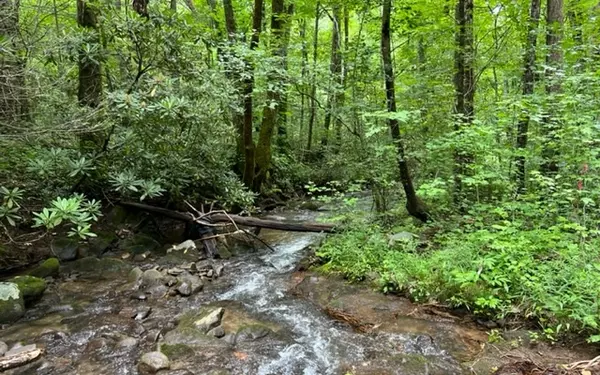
(272,320)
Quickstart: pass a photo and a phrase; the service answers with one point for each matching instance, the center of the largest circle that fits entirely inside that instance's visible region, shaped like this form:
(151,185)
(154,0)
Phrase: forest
(456,140)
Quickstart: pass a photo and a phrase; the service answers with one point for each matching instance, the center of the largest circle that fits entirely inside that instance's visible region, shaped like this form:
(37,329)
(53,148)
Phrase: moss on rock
(50,267)
(32,288)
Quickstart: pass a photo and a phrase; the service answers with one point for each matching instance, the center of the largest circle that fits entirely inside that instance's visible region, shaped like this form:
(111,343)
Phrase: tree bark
(528,89)
(141,8)
(464,83)
(554,58)
(248,89)
(313,90)
(13,95)
(271,111)
(414,205)
(282,123)
(90,70)
(335,68)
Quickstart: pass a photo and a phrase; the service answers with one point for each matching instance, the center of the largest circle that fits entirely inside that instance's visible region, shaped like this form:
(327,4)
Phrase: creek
(276,321)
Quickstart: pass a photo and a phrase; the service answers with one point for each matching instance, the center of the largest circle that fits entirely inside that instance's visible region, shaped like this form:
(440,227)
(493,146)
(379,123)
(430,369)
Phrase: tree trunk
(271,111)
(313,90)
(282,123)
(414,205)
(173,5)
(13,96)
(528,88)
(335,68)
(248,89)
(464,83)
(141,7)
(303,74)
(554,57)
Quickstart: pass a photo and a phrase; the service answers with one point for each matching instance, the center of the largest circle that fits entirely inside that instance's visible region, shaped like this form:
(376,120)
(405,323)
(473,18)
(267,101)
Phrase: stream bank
(252,314)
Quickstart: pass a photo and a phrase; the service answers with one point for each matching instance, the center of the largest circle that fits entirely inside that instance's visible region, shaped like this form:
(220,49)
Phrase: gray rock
(50,267)
(153,362)
(202,266)
(3,348)
(229,338)
(210,321)
(12,305)
(152,277)
(189,284)
(135,275)
(142,313)
(217,332)
(210,273)
(127,342)
(65,249)
(184,289)
(193,338)
(184,246)
(252,333)
(19,349)
(176,271)
(157,291)
(219,270)
(139,296)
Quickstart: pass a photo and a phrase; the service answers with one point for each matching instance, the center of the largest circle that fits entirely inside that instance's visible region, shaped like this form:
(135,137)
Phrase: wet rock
(217,332)
(152,277)
(175,271)
(210,321)
(65,249)
(229,338)
(135,275)
(142,313)
(193,338)
(219,270)
(49,268)
(184,246)
(102,243)
(127,342)
(32,288)
(202,266)
(19,356)
(157,291)
(176,351)
(3,348)
(153,362)
(91,268)
(223,252)
(141,296)
(139,244)
(171,281)
(252,333)
(12,305)
(210,273)
(189,284)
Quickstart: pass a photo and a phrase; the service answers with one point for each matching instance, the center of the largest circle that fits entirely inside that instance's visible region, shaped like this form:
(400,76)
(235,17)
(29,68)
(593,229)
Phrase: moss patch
(50,267)
(32,288)
(176,351)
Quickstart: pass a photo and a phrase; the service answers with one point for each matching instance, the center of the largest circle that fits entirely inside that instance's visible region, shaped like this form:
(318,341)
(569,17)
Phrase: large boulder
(99,269)
(65,249)
(188,285)
(139,244)
(153,362)
(12,305)
(32,288)
(49,268)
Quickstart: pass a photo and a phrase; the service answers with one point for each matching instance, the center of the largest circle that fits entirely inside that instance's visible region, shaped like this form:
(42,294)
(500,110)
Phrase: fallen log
(220,217)
(19,357)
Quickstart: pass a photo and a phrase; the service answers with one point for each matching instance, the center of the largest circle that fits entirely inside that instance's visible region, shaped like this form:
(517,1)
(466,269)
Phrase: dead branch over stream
(222,217)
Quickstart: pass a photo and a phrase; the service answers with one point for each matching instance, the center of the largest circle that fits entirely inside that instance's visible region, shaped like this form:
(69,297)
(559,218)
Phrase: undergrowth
(500,269)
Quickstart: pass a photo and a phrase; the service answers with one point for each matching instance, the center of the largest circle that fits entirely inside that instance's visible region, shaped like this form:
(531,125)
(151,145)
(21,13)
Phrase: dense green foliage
(174,84)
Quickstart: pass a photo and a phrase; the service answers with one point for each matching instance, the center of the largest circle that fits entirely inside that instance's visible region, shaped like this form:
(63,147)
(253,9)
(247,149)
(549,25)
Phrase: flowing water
(86,326)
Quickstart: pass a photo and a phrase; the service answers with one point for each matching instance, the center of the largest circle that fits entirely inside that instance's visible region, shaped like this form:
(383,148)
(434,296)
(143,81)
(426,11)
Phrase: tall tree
(90,70)
(273,107)
(313,89)
(414,205)
(554,58)
(335,68)
(528,88)
(12,67)
(248,90)
(464,83)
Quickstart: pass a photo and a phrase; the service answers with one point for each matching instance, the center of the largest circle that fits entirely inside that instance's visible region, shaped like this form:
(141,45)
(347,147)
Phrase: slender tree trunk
(272,109)
(528,88)
(554,58)
(313,90)
(13,96)
(248,89)
(235,75)
(464,82)
(282,122)
(140,7)
(414,205)
(303,74)
(335,69)
(173,5)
